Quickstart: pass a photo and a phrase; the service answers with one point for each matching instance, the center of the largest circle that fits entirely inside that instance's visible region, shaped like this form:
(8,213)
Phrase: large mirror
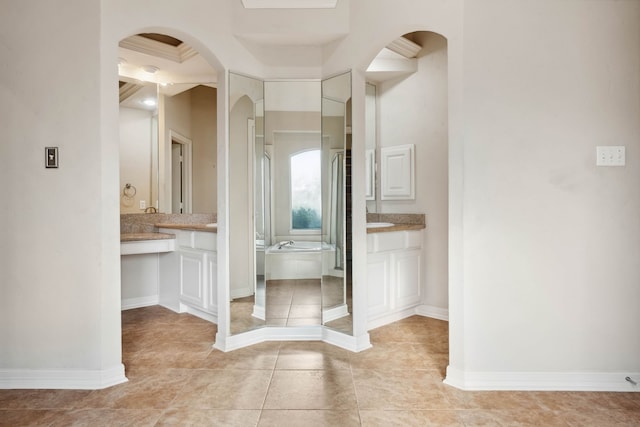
(247,200)
(336,191)
(168,128)
(289,200)
(293,257)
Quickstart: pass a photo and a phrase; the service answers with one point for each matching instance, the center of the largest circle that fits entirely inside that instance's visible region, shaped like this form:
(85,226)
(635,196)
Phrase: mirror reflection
(138,146)
(168,129)
(247,201)
(336,248)
(293,264)
(289,150)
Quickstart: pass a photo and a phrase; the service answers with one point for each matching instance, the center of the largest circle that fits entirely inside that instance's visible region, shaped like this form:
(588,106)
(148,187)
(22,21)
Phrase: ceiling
(147,59)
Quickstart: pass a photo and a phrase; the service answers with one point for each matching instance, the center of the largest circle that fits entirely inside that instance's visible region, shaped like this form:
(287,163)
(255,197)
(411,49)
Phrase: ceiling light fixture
(151,69)
(149,102)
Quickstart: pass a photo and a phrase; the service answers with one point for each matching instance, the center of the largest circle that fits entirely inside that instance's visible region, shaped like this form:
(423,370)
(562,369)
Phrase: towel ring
(129,191)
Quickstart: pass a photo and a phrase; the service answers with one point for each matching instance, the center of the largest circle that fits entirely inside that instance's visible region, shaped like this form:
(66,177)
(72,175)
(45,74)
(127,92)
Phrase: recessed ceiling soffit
(138,43)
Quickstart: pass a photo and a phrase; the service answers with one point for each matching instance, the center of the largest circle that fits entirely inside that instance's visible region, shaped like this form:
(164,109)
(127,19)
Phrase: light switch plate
(610,155)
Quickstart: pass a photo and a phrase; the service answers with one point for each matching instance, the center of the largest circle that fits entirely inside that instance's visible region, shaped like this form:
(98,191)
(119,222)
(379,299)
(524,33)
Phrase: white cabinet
(188,275)
(394,269)
(192,277)
(397,173)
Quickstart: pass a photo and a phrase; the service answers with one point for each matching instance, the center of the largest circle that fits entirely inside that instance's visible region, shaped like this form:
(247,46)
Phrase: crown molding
(128,89)
(404,47)
(155,48)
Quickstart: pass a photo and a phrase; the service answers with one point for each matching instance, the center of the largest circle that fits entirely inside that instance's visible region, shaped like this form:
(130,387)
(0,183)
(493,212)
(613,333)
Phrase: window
(305,191)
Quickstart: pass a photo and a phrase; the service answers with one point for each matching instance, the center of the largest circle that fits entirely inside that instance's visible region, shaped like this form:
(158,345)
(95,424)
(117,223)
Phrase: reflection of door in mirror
(181,175)
(336,181)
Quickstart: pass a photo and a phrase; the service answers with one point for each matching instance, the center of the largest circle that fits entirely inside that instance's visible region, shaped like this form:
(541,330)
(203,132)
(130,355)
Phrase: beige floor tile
(41,399)
(513,417)
(152,391)
(398,389)
(224,389)
(307,311)
(186,355)
(399,418)
(298,383)
(310,355)
(391,356)
(26,417)
(315,389)
(277,311)
(209,417)
(309,418)
(259,356)
(106,417)
(301,321)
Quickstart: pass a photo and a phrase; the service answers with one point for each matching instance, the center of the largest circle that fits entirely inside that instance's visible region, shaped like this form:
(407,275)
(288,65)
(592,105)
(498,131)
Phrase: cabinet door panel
(378,286)
(407,278)
(191,280)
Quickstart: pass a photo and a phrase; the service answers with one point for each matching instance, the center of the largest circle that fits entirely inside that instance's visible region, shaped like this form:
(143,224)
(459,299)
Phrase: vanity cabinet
(394,269)
(188,275)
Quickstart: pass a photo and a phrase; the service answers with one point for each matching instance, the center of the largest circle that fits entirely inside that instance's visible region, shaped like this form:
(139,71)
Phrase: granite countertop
(401,222)
(136,237)
(396,227)
(192,227)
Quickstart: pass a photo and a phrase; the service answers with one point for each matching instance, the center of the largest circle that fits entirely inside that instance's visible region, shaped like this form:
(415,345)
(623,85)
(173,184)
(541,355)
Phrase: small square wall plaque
(51,157)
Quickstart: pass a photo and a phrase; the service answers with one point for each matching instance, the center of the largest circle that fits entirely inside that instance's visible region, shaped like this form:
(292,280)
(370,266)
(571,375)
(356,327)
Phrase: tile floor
(176,378)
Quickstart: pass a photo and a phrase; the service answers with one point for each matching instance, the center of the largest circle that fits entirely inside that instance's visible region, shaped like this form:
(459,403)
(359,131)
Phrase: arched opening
(168,155)
(407,102)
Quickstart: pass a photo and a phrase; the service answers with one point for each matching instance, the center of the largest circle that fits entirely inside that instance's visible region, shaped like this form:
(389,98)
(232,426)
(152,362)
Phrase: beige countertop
(396,227)
(192,227)
(135,237)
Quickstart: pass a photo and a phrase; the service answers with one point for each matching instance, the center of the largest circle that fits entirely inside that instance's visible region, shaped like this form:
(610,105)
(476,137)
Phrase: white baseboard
(61,378)
(433,312)
(129,303)
(390,318)
(204,315)
(542,381)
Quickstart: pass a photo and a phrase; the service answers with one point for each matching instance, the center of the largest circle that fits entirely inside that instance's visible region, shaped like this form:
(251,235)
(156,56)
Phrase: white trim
(289,4)
(433,312)
(334,313)
(129,303)
(390,318)
(194,311)
(259,312)
(542,381)
(62,378)
(292,333)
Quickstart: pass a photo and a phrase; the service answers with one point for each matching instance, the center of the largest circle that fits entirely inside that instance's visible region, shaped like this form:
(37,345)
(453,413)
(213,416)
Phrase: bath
(300,260)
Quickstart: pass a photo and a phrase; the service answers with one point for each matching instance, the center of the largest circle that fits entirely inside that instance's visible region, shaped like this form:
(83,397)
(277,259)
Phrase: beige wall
(542,243)
(204,128)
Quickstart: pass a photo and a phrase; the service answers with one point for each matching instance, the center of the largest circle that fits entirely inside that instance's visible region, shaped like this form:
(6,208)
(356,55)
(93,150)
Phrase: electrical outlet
(610,155)
(143,204)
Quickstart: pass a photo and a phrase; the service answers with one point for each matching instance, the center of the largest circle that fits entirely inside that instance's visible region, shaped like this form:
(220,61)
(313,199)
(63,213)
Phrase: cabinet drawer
(205,240)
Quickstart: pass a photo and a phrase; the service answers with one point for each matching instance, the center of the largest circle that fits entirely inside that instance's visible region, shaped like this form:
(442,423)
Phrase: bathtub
(302,260)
